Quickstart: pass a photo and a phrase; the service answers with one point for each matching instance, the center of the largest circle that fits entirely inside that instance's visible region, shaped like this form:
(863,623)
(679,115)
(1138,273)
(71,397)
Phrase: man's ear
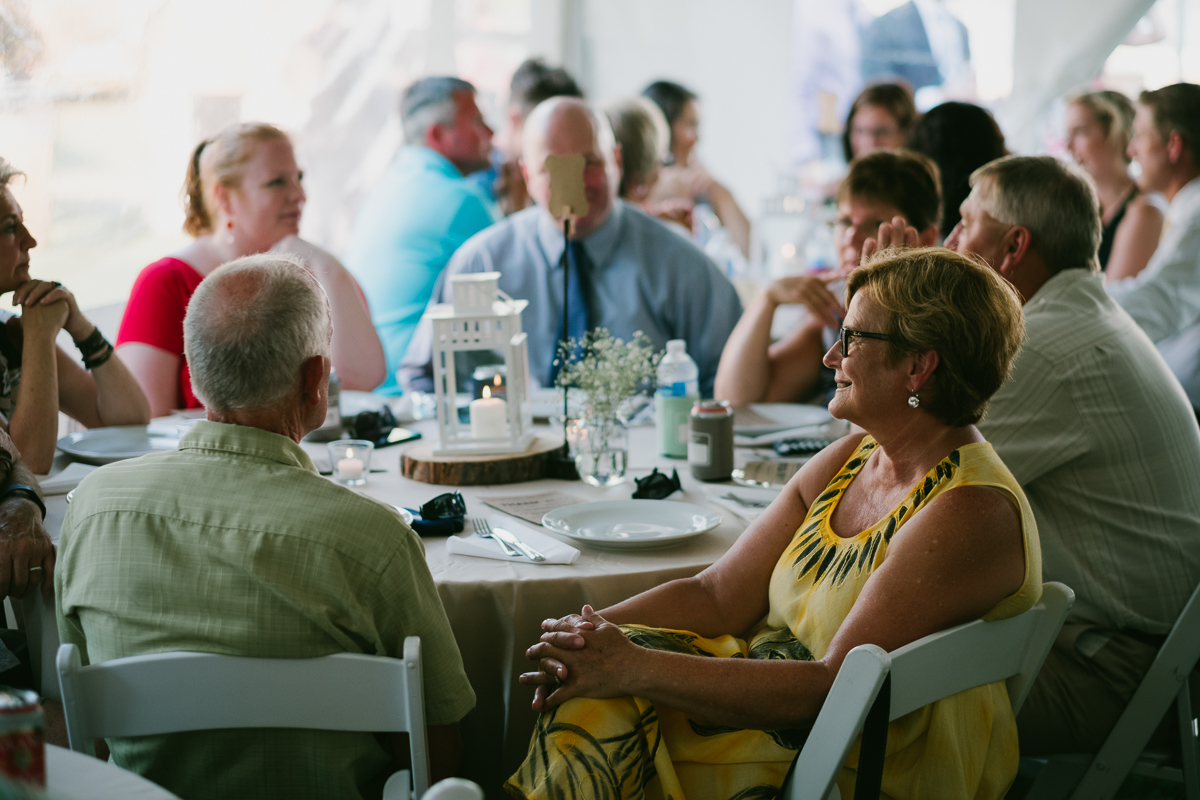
(314,373)
(928,237)
(435,136)
(524,169)
(1015,246)
(1175,147)
(618,159)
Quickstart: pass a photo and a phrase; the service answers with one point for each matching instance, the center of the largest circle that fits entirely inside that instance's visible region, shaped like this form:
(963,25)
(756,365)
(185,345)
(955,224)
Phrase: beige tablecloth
(496,607)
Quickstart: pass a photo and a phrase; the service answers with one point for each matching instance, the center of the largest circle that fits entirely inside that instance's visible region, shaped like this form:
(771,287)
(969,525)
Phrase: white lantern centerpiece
(481,318)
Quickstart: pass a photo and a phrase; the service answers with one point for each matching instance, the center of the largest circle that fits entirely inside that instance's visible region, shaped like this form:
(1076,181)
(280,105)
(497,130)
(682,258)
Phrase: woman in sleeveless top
(705,687)
(1099,125)
(243,196)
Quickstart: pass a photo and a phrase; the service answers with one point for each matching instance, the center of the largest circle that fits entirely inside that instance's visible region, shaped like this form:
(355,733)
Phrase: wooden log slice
(420,464)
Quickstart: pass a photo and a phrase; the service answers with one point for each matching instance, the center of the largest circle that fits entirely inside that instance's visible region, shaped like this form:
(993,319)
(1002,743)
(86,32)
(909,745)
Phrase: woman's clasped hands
(47,306)
(580,655)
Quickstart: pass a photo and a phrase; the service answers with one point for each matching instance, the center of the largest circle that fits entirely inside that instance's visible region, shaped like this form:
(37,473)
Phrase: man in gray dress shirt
(1101,437)
(635,274)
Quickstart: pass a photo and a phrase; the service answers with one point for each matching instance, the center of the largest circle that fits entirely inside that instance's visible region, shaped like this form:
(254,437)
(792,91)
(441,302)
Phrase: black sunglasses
(845,334)
(444,506)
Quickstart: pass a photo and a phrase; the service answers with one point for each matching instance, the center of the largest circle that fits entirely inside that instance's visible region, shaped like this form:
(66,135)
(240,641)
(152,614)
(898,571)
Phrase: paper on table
(65,481)
(556,552)
(531,506)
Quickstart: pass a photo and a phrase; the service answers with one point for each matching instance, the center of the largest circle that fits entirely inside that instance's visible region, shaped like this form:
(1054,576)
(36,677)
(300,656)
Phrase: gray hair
(250,326)
(429,102)
(1053,199)
(7,172)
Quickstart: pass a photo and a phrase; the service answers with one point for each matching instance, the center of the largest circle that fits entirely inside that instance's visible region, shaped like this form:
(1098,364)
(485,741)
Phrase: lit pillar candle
(349,468)
(489,417)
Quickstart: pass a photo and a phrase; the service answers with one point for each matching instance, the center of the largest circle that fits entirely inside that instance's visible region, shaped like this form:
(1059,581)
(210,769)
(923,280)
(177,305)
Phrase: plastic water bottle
(678,389)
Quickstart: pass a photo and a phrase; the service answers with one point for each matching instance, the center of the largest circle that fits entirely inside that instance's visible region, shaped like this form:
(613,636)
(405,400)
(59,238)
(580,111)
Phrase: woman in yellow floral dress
(705,687)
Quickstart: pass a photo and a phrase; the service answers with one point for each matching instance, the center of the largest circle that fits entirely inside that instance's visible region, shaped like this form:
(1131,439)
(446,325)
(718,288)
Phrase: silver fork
(484,530)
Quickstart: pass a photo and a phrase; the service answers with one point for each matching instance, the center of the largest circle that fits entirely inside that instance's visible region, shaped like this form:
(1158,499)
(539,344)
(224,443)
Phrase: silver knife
(505,536)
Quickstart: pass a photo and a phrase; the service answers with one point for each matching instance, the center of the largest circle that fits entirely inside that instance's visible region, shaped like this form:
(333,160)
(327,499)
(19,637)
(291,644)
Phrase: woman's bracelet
(98,359)
(92,345)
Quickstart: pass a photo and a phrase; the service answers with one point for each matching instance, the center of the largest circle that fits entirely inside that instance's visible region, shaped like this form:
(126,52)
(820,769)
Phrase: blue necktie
(577,316)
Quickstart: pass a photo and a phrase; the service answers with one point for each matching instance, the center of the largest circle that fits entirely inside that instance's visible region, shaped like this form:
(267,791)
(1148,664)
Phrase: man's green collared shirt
(235,545)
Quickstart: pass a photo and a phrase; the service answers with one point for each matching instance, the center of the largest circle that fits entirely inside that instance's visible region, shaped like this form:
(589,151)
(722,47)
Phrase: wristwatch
(27,492)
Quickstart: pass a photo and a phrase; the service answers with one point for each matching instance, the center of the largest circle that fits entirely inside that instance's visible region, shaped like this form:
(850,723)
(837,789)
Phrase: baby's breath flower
(608,370)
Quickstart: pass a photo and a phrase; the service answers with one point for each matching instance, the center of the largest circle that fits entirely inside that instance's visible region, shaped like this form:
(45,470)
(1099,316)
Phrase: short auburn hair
(903,179)
(938,300)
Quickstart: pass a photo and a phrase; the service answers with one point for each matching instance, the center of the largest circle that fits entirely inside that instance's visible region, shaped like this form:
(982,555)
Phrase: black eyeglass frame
(846,334)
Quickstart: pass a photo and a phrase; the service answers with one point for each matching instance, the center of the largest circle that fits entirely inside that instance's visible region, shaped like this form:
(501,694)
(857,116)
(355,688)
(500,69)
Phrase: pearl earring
(913,400)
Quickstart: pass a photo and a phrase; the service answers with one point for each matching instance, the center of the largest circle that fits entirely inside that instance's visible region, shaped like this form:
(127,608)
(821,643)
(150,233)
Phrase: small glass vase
(601,448)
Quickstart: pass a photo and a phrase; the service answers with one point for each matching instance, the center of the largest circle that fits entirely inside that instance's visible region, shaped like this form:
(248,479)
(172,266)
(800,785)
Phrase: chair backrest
(172,692)
(1168,673)
(929,669)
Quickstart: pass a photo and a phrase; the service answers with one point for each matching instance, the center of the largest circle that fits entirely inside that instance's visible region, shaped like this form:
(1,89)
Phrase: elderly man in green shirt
(234,544)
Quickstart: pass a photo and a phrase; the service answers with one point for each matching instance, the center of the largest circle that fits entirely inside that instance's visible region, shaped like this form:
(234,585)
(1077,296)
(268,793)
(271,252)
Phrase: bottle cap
(677,346)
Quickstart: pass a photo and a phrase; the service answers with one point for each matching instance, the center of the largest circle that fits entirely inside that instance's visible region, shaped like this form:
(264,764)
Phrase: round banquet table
(495,607)
(82,777)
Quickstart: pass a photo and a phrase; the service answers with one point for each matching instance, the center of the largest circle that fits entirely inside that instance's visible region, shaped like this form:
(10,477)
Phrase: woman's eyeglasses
(847,334)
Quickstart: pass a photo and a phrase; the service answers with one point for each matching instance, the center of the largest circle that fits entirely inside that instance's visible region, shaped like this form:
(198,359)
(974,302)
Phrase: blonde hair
(1113,112)
(220,160)
(645,139)
(939,300)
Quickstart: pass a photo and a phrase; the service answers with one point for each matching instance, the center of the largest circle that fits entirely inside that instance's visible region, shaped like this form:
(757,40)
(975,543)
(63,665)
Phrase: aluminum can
(710,440)
(22,737)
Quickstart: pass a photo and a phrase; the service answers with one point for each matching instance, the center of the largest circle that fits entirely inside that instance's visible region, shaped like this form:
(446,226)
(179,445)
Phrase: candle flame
(486,393)
(497,381)
(349,453)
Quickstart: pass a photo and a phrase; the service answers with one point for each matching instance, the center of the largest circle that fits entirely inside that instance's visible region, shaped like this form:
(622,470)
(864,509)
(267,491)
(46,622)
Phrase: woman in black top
(1099,125)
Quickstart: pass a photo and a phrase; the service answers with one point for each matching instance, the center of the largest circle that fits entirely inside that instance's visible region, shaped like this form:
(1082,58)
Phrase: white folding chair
(922,672)
(173,692)
(454,789)
(1099,776)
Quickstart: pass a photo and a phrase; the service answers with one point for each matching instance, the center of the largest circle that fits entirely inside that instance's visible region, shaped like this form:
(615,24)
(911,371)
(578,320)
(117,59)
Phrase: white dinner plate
(631,524)
(770,417)
(106,445)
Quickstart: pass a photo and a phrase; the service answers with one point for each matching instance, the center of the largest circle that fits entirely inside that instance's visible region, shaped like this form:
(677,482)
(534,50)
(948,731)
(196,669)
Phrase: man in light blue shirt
(421,210)
(633,273)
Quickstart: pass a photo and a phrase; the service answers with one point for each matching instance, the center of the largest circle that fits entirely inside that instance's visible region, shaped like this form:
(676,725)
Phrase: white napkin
(65,481)
(556,552)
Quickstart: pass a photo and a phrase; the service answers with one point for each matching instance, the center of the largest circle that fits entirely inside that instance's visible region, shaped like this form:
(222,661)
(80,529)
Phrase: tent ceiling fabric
(1060,45)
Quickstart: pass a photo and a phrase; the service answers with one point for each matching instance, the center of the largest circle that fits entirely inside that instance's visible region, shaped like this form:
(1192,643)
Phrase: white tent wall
(735,56)
(1059,45)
